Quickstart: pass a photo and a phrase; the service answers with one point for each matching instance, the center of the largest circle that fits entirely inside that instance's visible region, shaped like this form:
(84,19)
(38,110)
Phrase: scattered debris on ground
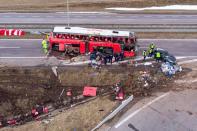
(27,92)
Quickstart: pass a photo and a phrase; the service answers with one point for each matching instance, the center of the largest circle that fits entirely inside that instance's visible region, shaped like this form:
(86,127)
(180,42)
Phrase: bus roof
(91,31)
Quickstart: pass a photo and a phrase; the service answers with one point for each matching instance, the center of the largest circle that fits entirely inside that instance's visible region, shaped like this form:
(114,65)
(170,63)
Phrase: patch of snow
(147,63)
(170,7)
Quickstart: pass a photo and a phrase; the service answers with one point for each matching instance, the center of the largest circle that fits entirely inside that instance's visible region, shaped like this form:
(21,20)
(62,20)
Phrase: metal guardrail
(111,115)
(133,27)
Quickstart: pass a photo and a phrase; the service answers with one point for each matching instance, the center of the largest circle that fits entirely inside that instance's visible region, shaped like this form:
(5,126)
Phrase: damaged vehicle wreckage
(38,93)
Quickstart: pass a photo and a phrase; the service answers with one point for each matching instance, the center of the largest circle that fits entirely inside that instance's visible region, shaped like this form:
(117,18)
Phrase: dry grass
(88,76)
(82,118)
(83,5)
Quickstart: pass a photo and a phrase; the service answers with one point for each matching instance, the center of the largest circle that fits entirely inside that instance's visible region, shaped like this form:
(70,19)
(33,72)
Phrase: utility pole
(68,15)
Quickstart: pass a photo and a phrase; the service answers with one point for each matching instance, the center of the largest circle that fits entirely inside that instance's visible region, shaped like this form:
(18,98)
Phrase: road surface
(177,47)
(21,48)
(32,47)
(29,52)
(174,111)
(96,18)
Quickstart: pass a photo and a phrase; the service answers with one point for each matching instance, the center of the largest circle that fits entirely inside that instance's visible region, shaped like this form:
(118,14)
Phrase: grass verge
(83,5)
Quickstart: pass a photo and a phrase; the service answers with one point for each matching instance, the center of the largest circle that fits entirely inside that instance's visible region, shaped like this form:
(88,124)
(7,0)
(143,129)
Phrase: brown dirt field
(83,5)
(22,88)
(188,81)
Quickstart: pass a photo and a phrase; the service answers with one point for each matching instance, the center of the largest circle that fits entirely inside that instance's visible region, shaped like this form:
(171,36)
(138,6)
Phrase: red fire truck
(79,40)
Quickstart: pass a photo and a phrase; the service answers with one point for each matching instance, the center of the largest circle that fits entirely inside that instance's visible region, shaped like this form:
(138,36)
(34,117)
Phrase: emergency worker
(121,55)
(152,46)
(144,54)
(44,46)
(110,58)
(47,36)
(158,56)
(150,52)
(101,49)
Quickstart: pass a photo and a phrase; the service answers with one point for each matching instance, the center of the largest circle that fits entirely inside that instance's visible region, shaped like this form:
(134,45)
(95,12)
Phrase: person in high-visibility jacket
(144,54)
(150,52)
(152,46)
(44,46)
(151,49)
(158,56)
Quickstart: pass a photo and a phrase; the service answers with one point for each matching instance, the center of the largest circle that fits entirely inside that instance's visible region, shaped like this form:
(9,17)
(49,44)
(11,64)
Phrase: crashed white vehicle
(170,69)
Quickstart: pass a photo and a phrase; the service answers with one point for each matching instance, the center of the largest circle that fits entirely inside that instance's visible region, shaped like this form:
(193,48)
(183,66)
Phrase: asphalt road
(166,112)
(177,47)
(97,18)
(21,48)
(29,52)
(32,48)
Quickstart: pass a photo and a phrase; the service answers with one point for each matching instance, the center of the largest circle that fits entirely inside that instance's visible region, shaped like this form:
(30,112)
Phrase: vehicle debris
(169,69)
(169,65)
(54,69)
(119,91)
(89,91)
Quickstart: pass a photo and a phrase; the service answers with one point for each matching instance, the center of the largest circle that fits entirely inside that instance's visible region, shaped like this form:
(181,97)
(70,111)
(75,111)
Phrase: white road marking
(50,16)
(77,16)
(92,16)
(119,16)
(191,56)
(106,16)
(23,57)
(140,109)
(4,47)
(18,39)
(188,61)
(7,16)
(180,57)
(21,16)
(166,39)
(35,16)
